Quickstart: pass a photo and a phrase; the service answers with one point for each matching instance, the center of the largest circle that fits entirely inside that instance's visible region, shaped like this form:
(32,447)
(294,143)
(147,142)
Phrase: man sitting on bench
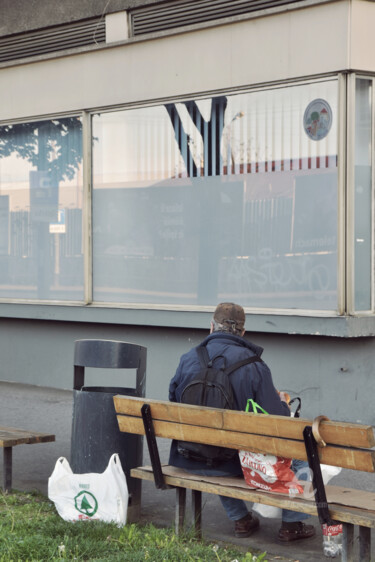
(227,346)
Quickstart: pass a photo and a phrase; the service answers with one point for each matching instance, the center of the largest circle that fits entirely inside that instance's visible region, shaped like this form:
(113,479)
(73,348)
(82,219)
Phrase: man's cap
(230,314)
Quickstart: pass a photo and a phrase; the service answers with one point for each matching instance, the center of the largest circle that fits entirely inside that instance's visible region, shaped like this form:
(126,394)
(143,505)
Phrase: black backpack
(210,387)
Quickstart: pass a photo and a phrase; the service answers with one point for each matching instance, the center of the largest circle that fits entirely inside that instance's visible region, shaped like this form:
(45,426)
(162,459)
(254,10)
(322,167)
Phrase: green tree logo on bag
(85,502)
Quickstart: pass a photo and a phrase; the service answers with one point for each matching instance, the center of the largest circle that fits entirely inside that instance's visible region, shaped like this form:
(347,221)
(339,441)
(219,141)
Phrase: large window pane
(363,194)
(230,198)
(41,210)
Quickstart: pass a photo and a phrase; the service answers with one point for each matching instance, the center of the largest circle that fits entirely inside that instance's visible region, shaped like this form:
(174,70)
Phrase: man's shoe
(295,531)
(246,526)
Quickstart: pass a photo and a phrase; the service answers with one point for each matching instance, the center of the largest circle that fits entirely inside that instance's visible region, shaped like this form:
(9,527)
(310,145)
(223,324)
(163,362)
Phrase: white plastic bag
(94,496)
(328,472)
(269,511)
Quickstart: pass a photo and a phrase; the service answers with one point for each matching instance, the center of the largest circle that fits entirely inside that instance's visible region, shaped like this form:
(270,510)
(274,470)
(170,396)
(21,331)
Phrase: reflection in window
(230,198)
(41,210)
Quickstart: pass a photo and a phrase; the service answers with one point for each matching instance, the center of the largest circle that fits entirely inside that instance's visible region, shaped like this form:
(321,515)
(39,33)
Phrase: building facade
(157,158)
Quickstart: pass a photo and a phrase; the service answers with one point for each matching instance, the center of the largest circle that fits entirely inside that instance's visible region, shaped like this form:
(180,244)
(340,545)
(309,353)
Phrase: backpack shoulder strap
(254,359)
(204,358)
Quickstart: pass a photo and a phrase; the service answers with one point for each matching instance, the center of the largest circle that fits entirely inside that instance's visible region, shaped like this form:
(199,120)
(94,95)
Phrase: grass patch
(32,531)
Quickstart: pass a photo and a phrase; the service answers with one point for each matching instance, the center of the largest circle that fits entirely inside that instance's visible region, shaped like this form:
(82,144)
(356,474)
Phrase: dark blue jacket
(250,381)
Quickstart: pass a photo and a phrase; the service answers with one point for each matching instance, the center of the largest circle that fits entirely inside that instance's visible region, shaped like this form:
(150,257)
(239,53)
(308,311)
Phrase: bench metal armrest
(153,447)
(317,478)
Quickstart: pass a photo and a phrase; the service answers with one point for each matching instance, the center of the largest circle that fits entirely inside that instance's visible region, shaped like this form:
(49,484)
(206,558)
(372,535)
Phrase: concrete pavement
(50,410)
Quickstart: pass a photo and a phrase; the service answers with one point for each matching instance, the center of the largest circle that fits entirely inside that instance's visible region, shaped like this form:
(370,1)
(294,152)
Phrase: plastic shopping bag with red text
(268,472)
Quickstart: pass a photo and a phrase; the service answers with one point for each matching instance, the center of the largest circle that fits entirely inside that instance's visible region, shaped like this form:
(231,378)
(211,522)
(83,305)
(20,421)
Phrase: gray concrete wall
(333,376)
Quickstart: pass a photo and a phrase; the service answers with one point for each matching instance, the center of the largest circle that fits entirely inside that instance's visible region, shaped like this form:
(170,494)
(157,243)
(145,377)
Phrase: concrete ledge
(281,322)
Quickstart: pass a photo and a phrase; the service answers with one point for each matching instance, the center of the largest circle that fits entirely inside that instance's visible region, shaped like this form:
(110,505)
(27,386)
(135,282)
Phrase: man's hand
(284,396)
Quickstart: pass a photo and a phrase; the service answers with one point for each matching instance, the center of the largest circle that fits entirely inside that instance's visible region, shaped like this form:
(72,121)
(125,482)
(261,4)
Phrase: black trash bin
(95,432)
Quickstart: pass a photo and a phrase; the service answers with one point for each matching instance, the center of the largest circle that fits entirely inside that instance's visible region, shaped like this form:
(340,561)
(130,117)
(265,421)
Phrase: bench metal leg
(347,554)
(7,476)
(197,512)
(180,509)
(134,505)
(364,544)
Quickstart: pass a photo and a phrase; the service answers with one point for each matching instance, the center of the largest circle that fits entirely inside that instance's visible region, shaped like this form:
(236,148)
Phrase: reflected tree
(211,131)
(52,146)
(54,150)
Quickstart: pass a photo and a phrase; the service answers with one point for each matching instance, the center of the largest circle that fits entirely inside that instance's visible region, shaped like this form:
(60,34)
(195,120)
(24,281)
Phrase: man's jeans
(236,509)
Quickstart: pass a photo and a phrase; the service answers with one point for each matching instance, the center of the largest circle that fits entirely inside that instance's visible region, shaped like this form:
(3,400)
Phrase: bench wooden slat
(335,456)
(335,433)
(342,513)
(11,436)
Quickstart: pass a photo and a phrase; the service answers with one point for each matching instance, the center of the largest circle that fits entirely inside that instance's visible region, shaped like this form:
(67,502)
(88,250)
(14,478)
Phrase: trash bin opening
(111,390)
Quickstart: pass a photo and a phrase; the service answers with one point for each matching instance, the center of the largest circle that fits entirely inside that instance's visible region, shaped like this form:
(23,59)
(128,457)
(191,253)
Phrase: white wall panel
(296,43)
(362,40)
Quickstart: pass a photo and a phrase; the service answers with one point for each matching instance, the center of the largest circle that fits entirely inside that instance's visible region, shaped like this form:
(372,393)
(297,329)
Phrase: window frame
(349,185)
(341,155)
(85,183)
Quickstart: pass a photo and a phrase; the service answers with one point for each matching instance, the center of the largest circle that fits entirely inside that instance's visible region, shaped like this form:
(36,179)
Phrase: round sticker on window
(317,119)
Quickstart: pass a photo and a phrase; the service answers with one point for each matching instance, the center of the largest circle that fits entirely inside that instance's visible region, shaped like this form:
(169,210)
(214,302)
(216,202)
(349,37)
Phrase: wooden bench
(347,445)
(9,437)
